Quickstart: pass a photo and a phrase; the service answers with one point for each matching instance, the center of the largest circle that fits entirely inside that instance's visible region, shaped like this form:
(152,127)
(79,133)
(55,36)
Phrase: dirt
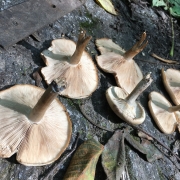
(17,63)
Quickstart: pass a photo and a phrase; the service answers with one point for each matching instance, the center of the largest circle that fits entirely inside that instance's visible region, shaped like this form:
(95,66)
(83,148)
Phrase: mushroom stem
(141,86)
(81,44)
(174,108)
(46,99)
(137,48)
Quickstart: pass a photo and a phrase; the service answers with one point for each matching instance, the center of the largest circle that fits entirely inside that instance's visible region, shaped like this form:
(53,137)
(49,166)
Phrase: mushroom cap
(36,144)
(171,80)
(106,45)
(82,79)
(158,105)
(131,113)
(127,73)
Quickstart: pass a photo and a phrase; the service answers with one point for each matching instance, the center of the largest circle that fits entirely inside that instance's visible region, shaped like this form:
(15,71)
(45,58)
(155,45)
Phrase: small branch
(64,158)
(164,60)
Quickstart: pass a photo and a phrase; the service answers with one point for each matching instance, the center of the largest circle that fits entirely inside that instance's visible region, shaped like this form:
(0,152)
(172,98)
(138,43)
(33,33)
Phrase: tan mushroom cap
(133,114)
(36,144)
(165,120)
(114,59)
(82,78)
(171,80)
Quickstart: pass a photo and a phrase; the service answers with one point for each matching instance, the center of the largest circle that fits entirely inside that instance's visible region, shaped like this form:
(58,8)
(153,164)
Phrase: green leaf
(113,156)
(158,3)
(83,163)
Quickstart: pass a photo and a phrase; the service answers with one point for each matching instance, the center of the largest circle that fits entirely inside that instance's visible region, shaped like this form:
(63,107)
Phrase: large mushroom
(114,59)
(125,106)
(66,59)
(33,124)
(164,114)
(171,80)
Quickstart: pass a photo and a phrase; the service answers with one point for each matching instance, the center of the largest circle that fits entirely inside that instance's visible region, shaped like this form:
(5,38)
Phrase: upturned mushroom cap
(36,144)
(171,80)
(82,78)
(131,113)
(114,59)
(158,106)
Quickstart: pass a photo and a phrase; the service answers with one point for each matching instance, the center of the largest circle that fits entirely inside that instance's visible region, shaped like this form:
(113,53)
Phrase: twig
(164,60)
(63,159)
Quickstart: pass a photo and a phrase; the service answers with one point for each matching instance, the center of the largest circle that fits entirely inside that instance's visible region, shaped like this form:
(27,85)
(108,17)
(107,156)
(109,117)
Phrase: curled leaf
(107,5)
(146,147)
(83,163)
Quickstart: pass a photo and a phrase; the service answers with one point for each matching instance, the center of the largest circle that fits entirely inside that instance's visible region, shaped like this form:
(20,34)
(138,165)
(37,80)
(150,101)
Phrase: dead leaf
(107,5)
(113,156)
(83,163)
(146,147)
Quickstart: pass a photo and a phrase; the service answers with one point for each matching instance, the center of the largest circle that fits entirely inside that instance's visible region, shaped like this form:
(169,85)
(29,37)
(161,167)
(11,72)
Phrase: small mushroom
(125,106)
(66,59)
(171,80)
(33,124)
(164,114)
(114,59)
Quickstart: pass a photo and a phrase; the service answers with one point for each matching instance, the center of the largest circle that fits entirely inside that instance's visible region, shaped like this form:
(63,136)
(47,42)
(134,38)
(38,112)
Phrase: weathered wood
(23,19)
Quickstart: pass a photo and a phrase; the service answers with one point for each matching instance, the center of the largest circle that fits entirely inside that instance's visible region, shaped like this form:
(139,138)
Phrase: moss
(90,24)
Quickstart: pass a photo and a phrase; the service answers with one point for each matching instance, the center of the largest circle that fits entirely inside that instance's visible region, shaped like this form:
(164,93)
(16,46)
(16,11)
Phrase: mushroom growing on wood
(164,114)
(33,124)
(171,80)
(125,106)
(66,59)
(114,59)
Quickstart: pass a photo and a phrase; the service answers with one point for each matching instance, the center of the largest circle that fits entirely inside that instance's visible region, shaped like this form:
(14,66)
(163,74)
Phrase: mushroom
(114,59)
(171,80)
(66,59)
(33,124)
(164,114)
(125,105)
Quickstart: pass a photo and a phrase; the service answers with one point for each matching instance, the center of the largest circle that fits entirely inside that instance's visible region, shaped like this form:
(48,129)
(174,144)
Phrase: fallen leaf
(113,156)
(146,147)
(107,5)
(83,163)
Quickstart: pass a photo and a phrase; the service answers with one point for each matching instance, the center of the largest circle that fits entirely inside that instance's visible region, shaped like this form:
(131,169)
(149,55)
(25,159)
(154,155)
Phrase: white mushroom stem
(46,99)
(80,47)
(138,47)
(141,86)
(174,108)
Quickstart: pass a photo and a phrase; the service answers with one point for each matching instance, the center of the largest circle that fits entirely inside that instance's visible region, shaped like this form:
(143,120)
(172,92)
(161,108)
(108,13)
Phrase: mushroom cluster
(34,124)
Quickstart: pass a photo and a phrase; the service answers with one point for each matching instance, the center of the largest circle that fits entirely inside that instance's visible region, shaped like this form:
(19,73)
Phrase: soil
(17,63)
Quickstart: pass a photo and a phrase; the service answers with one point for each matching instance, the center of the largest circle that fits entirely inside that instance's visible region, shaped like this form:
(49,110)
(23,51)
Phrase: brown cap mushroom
(163,112)
(33,124)
(171,80)
(124,105)
(114,60)
(66,59)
